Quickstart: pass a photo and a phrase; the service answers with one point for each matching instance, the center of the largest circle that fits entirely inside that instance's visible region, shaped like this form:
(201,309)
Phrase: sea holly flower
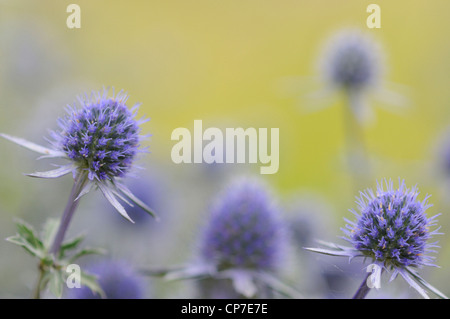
(100,139)
(393,230)
(244,230)
(352,62)
(243,243)
(117,279)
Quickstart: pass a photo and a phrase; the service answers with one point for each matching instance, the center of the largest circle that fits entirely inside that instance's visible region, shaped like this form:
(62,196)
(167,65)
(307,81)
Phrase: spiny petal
(47,152)
(63,170)
(113,200)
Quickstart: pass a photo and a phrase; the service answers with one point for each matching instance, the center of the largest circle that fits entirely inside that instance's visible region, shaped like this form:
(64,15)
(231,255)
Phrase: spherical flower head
(117,279)
(101,137)
(392,227)
(351,60)
(244,230)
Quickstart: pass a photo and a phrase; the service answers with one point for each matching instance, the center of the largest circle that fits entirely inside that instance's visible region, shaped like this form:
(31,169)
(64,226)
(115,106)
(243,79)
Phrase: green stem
(357,154)
(72,204)
(37,289)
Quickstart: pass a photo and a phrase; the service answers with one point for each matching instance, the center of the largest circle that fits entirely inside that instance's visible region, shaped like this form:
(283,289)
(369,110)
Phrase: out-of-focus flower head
(117,279)
(352,61)
(244,230)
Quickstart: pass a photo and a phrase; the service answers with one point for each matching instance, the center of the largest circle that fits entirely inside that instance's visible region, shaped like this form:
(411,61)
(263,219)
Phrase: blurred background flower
(117,279)
(244,230)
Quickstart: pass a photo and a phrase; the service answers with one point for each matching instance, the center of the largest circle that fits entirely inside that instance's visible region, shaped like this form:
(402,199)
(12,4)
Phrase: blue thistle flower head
(392,227)
(102,137)
(244,230)
(101,140)
(117,279)
(351,60)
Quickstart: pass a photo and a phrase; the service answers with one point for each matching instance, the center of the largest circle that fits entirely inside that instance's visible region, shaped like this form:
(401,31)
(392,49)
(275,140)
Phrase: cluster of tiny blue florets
(244,230)
(102,137)
(392,227)
(351,60)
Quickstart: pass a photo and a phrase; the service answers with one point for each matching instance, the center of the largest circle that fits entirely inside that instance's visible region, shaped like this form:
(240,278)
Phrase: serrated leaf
(90,281)
(70,245)
(28,234)
(17,240)
(87,251)
(49,232)
(56,283)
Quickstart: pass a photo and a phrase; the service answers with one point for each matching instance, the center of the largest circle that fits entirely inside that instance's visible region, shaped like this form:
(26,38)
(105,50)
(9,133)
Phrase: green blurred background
(231,64)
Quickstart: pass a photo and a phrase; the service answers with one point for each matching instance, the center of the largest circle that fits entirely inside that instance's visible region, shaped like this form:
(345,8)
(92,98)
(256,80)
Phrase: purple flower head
(244,230)
(400,229)
(117,279)
(100,140)
(351,60)
(101,137)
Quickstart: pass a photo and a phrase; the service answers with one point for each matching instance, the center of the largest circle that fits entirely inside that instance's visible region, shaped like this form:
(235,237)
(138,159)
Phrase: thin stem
(363,289)
(71,206)
(357,152)
(37,290)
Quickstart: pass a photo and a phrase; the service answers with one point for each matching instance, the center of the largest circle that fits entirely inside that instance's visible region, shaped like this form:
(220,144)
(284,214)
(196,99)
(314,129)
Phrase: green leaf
(27,233)
(87,251)
(45,280)
(18,240)
(56,283)
(69,245)
(49,232)
(90,281)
